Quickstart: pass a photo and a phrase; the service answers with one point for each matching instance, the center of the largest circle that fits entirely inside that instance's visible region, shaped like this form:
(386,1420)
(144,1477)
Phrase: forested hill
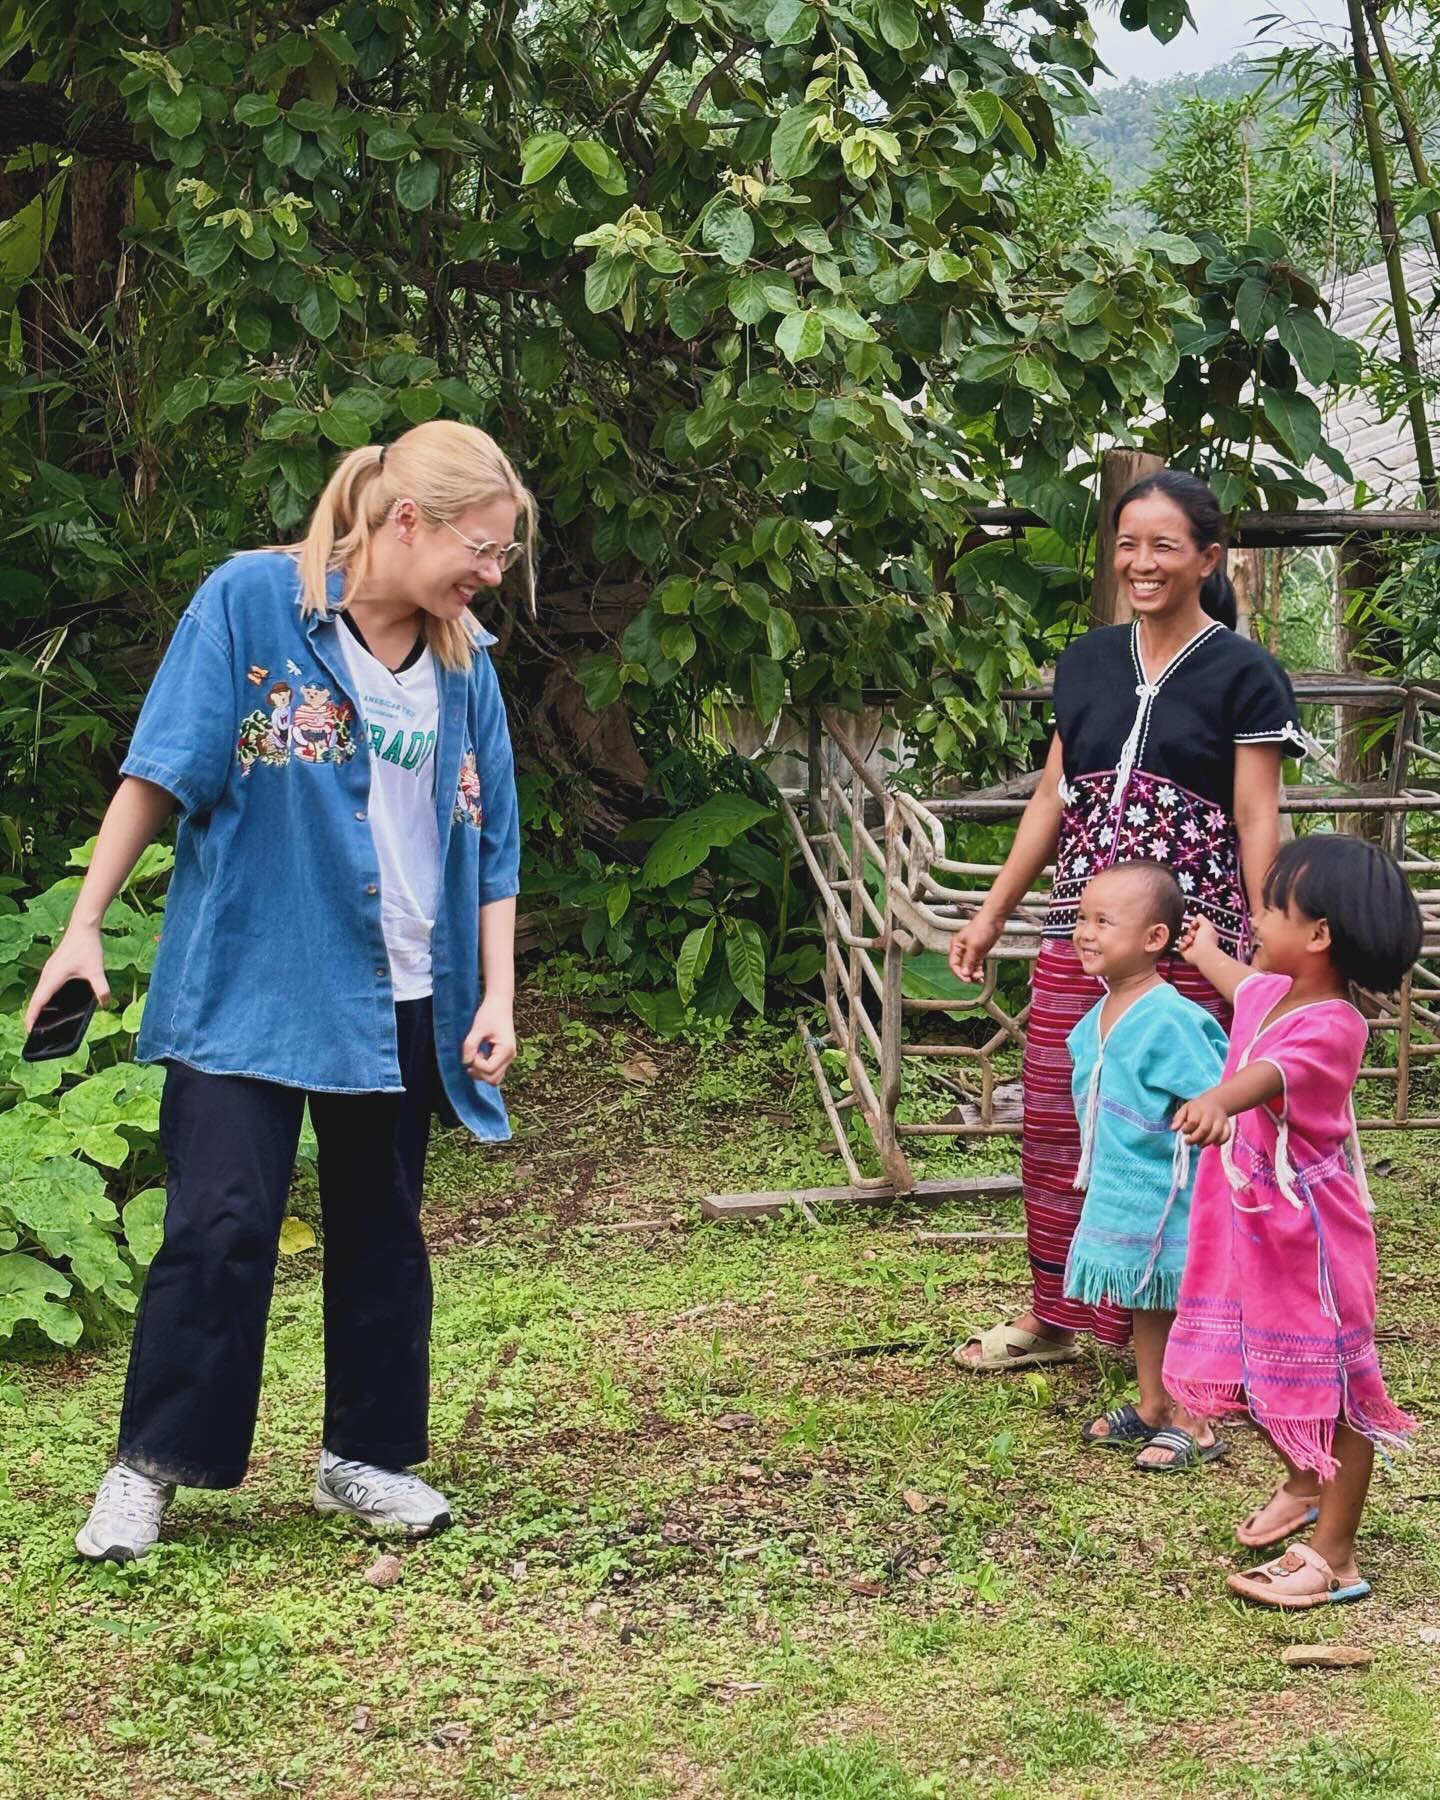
(1122,135)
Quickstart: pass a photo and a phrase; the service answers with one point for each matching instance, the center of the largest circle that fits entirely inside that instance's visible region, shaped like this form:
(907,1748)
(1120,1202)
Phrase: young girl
(1277,1306)
(330,912)
(1136,1055)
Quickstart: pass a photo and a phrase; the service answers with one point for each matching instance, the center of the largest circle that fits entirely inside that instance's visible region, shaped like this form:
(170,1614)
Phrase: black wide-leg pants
(193,1386)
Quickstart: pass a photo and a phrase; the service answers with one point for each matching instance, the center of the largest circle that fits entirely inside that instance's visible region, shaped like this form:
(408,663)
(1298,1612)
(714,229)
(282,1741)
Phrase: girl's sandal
(1187,1453)
(1124,1428)
(1303,1510)
(1300,1578)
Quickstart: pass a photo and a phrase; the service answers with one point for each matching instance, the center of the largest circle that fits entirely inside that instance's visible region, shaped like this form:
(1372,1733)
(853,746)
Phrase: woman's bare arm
(1035,841)
(131,820)
(1257,813)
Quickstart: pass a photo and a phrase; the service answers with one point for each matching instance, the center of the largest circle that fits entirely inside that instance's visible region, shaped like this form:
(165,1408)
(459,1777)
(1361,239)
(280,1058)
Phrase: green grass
(685,1562)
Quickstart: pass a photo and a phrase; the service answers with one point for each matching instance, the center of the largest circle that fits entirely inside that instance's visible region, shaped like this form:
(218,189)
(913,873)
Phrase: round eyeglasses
(507,555)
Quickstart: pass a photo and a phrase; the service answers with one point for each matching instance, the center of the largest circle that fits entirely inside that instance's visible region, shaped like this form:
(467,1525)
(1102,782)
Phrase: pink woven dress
(1277,1304)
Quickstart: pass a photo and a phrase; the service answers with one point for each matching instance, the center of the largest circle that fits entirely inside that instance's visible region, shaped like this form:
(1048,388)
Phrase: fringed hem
(1309,1443)
(1208,1399)
(1092,1283)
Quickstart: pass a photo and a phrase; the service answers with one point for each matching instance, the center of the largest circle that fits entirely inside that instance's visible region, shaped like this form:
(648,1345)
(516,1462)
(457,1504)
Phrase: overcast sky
(1223,28)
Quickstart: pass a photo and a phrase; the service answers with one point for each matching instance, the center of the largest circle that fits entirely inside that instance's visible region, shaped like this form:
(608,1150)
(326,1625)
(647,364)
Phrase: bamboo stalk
(1390,241)
(1404,112)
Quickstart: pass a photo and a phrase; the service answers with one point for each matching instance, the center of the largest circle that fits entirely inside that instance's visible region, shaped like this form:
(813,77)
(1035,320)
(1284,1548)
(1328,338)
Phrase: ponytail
(1217,597)
(354,503)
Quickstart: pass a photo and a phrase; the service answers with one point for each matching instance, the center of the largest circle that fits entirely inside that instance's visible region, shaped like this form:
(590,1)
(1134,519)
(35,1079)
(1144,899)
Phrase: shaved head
(1154,887)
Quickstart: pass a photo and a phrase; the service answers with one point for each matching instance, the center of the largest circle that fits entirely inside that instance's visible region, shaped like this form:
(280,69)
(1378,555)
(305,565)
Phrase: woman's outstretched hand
(969,947)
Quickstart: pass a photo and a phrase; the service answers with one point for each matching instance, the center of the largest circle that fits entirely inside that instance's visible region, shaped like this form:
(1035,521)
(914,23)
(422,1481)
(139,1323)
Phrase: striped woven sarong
(1061,994)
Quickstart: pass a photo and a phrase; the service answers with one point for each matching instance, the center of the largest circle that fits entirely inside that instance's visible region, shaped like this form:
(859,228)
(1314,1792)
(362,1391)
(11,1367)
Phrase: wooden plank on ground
(769,1204)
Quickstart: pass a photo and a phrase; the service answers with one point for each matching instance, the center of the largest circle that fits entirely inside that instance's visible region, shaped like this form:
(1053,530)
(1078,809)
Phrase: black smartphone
(64,1019)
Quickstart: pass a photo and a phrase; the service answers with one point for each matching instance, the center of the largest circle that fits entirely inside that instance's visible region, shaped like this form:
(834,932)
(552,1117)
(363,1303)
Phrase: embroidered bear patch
(315,730)
(468,809)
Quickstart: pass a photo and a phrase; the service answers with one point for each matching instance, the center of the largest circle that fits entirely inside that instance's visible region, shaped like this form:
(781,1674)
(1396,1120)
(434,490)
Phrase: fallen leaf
(295,1236)
(640,1068)
(1326,1656)
(384,1572)
(872,1590)
(915,1500)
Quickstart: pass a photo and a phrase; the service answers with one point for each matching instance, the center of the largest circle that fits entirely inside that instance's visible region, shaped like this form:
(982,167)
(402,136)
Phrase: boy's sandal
(1123,1428)
(1187,1453)
(1008,1347)
(1299,1578)
(1302,1512)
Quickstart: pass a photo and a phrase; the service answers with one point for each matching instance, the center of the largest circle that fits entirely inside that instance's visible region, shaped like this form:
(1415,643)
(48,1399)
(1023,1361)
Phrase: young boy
(1138,1054)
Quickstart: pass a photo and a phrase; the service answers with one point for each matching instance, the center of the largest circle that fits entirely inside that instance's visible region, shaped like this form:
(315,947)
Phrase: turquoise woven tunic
(1136,1173)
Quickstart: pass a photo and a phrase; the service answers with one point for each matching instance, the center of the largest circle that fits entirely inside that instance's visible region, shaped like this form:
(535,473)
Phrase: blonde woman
(340,928)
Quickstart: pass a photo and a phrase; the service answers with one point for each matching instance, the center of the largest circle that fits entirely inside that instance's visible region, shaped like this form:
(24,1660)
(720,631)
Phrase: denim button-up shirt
(272,961)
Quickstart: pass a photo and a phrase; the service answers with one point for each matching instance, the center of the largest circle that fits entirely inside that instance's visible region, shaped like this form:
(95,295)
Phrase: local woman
(1169,735)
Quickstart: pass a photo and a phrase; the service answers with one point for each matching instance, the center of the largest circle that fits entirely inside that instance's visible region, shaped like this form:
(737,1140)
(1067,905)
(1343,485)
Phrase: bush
(80,1209)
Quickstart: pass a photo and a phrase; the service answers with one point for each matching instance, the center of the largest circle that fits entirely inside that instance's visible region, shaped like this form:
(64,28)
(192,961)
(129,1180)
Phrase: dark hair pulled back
(1207,526)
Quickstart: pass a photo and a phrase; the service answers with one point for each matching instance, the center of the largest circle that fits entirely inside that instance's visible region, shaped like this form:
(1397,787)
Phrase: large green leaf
(745,961)
(177,115)
(1310,342)
(898,24)
(1257,307)
(730,230)
(318,311)
(791,22)
(540,155)
(794,146)
(1297,422)
(693,959)
(801,335)
(685,843)
(29,1289)
(417,182)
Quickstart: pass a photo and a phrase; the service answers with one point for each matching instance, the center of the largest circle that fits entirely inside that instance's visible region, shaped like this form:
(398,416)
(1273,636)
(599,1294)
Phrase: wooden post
(1118,469)
(1246,569)
(1359,643)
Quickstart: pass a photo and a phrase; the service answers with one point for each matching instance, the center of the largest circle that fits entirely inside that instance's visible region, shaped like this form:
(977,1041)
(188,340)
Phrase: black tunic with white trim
(1150,765)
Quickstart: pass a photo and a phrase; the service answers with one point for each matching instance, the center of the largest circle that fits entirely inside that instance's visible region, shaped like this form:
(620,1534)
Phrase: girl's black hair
(1207,527)
(1375,929)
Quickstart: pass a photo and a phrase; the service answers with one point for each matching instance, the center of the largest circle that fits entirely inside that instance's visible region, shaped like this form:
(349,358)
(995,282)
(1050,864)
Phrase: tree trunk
(1118,470)
(1246,569)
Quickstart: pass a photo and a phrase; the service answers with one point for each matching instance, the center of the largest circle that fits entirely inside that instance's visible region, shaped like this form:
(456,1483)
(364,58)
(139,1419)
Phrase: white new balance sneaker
(125,1520)
(384,1499)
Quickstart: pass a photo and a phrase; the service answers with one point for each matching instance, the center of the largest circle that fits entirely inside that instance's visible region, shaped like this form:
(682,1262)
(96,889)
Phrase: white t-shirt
(400,710)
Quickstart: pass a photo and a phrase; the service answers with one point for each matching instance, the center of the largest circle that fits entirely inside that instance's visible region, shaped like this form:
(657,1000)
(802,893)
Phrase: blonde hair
(445,468)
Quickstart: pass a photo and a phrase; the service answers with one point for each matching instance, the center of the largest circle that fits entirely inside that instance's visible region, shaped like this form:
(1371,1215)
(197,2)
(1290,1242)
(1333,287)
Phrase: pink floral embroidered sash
(1155,819)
